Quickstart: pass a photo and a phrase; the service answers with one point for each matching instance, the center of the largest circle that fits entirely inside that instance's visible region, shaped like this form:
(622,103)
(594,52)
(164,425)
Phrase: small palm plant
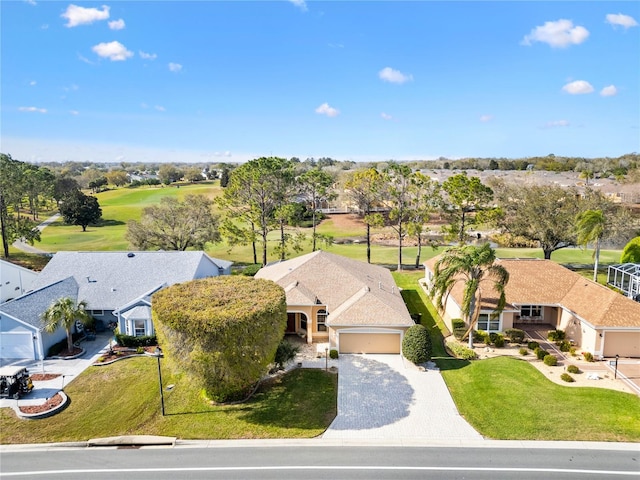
(65,312)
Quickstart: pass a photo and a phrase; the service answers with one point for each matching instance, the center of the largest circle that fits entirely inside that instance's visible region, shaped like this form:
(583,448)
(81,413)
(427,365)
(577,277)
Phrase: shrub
(515,335)
(481,336)
(564,345)
(459,332)
(251,270)
(572,351)
(333,353)
(223,332)
(458,323)
(588,356)
(416,344)
(284,353)
(56,348)
(573,369)
(524,351)
(134,342)
(567,378)
(498,341)
(140,350)
(461,351)
(540,353)
(533,345)
(555,335)
(550,360)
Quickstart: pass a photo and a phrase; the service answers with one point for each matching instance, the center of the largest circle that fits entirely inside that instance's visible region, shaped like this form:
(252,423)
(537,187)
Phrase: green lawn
(123,398)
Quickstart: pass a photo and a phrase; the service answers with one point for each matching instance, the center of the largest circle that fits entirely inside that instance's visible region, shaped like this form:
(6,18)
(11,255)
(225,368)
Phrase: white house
(14,280)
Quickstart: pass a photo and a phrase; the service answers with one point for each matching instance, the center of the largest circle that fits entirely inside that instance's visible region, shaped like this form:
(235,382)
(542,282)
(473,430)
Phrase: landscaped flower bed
(118,353)
(50,404)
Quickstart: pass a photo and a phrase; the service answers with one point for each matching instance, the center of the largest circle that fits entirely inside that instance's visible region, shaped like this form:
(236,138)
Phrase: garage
(369,342)
(16,345)
(625,344)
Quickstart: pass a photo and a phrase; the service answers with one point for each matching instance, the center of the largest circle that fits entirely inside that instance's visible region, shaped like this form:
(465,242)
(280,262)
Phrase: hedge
(461,351)
(515,335)
(416,344)
(223,331)
(130,341)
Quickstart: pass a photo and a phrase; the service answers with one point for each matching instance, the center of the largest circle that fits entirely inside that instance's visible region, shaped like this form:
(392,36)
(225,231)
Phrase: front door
(291,323)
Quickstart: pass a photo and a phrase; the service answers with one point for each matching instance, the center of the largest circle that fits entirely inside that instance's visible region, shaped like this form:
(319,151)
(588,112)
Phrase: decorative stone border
(48,413)
(124,357)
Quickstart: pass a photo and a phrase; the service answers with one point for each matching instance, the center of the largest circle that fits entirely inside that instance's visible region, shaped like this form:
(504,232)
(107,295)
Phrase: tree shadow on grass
(450,363)
(108,223)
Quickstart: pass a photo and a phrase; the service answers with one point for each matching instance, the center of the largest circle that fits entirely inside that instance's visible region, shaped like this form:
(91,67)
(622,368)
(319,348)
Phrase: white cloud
(32,109)
(114,51)
(623,20)
(30,2)
(74,112)
(579,87)
(301,4)
(226,153)
(147,56)
(116,24)
(486,118)
(386,116)
(327,110)
(76,15)
(390,75)
(175,67)
(609,91)
(159,108)
(560,33)
(32,83)
(556,123)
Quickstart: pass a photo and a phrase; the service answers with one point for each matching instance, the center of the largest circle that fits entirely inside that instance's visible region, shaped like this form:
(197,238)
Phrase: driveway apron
(387,397)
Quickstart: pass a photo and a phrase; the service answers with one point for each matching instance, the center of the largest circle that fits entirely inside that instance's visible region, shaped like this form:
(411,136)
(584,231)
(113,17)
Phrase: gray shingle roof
(108,280)
(355,293)
(29,307)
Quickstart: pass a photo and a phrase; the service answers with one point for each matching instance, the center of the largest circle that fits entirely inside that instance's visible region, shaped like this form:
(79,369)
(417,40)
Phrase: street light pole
(159,356)
(615,373)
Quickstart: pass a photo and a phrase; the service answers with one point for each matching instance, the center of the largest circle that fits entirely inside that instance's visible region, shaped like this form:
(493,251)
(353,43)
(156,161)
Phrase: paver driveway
(387,397)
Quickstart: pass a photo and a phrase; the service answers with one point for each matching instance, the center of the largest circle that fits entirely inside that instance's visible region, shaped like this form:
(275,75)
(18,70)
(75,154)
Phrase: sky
(211,81)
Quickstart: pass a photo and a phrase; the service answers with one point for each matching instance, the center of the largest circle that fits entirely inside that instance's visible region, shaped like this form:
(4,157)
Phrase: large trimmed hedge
(416,344)
(223,331)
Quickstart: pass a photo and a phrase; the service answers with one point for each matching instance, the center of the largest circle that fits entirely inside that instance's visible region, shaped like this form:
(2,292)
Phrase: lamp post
(615,372)
(158,355)
(326,359)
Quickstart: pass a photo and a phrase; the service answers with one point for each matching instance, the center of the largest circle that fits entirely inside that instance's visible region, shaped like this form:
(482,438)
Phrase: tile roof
(29,307)
(108,280)
(543,282)
(355,293)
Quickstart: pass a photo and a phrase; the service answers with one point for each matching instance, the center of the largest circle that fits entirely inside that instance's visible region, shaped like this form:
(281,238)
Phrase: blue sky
(230,81)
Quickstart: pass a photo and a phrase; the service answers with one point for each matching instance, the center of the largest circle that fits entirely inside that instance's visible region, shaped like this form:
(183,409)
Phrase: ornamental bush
(555,335)
(564,345)
(458,323)
(532,345)
(333,353)
(285,352)
(223,332)
(550,360)
(588,356)
(461,351)
(540,353)
(567,378)
(498,341)
(524,351)
(416,344)
(515,335)
(573,369)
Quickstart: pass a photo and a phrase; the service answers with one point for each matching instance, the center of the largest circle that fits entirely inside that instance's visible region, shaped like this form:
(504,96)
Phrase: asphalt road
(287,461)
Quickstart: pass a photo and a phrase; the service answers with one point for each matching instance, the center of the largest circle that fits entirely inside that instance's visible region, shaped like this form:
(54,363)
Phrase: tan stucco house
(354,306)
(596,318)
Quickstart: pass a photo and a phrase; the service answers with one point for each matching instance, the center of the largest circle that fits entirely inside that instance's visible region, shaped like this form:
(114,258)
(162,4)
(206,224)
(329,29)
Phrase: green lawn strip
(123,398)
(564,255)
(506,398)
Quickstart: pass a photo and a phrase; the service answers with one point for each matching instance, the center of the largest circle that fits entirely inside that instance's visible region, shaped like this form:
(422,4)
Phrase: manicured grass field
(123,398)
(506,398)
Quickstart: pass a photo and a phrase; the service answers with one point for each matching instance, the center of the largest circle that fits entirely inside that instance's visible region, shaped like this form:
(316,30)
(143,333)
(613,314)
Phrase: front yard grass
(123,398)
(507,398)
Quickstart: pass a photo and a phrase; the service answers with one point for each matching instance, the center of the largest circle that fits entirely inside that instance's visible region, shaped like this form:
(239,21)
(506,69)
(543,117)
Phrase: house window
(138,328)
(531,311)
(321,318)
(97,313)
(303,322)
(488,324)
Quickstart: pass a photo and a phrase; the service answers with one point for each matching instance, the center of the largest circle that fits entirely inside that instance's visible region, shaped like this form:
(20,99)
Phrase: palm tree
(473,265)
(64,312)
(590,226)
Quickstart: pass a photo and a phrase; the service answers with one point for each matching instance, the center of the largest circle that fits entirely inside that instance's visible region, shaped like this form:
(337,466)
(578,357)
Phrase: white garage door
(16,345)
(369,342)
(625,344)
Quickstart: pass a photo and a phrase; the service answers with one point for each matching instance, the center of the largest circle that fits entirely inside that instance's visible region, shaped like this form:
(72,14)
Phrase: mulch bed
(45,407)
(121,352)
(67,353)
(43,377)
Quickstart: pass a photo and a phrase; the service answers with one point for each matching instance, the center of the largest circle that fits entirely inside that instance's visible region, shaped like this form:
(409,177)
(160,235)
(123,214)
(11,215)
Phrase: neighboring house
(117,287)
(596,318)
(353,305)
(14,280)
(626,278)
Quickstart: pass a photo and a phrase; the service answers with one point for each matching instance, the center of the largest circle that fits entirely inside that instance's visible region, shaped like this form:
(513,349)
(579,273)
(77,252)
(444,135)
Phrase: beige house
(354,306)
(596,318)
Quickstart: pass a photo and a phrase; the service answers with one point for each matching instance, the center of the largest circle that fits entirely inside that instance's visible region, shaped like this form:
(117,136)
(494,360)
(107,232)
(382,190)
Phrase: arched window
(321,320)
